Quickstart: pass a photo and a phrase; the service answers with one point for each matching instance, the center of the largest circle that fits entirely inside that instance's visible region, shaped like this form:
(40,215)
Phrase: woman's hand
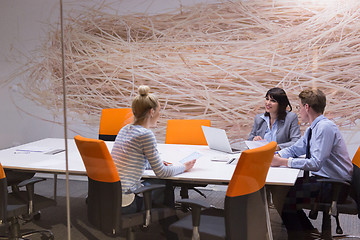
(257,138)
(167,163)
(189,165)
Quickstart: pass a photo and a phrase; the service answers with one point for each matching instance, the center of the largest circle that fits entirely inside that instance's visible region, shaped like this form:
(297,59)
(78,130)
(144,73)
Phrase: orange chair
(112,120)
(186,131)
(105,195)
(245,213)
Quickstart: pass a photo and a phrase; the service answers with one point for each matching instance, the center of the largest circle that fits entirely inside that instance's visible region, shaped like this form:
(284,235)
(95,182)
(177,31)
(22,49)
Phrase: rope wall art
(212,61)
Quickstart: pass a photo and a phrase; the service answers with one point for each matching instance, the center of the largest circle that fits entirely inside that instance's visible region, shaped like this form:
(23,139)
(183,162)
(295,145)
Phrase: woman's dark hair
(279,95)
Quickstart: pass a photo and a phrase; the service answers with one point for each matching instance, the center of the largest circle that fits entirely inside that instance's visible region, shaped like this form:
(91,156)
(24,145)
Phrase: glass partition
(29,122)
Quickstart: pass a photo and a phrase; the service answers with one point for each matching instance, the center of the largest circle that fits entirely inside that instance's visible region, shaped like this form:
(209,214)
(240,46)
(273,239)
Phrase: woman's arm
(255,128)
(293,132)
(151,153)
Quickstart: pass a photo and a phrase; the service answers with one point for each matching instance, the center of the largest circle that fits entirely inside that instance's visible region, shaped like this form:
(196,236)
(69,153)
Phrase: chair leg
(130,234)
(326,226)
(184,192)
(14,229)
(42,232)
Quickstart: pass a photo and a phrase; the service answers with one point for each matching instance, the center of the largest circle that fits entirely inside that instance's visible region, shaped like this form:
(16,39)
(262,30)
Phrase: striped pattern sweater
(134,150)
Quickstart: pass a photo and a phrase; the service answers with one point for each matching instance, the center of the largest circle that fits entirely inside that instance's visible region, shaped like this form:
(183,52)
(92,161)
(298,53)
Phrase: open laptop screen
(217,140)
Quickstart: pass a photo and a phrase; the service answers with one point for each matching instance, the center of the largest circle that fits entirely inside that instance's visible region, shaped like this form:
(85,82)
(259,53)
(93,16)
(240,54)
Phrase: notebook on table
(217,139)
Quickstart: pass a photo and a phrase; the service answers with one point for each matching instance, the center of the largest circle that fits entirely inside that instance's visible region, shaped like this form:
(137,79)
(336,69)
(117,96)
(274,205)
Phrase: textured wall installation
(211,61)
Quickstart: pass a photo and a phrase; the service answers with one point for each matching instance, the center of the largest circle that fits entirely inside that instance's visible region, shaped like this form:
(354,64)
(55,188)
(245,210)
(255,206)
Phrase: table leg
(55,186)
(268,223)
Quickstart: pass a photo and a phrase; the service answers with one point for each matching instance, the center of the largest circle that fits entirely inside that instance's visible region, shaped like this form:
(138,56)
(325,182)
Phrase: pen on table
(231,160)
(26,150)
(219,160)
(21,152)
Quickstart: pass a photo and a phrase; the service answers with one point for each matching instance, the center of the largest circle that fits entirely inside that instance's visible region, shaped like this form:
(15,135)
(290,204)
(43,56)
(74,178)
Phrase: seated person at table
(276,124)
(135,149)
(326,157)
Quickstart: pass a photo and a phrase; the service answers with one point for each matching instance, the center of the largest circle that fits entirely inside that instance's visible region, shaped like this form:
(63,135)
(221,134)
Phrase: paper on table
(192,156)
(32,149)
(179,156)
(38,149)
(255,144)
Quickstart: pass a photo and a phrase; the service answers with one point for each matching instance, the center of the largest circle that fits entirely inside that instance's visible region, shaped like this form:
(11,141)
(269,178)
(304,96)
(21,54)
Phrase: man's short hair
(315,98)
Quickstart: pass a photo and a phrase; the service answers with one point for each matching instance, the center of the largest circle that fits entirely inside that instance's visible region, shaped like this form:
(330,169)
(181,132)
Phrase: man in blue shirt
(326,157)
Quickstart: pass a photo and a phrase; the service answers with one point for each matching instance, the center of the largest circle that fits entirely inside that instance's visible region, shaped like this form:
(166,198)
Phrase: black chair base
(13,232)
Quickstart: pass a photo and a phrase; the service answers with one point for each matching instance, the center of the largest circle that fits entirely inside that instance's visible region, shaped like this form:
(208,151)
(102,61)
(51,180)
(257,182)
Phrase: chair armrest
(146,191)
(335,181)
(194,203)
(151,187)
(196,206)
(336,186)
(30,190)
(32,180)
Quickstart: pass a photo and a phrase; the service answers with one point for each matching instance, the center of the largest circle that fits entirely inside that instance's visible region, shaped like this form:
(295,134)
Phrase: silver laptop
(217,140)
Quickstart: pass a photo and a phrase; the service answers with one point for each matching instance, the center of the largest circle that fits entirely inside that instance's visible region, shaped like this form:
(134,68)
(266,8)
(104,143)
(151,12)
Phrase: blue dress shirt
(329,155)
(270,133)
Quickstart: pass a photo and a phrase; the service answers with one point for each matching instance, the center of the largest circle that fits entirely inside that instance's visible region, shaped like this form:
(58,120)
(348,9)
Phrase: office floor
(55,219)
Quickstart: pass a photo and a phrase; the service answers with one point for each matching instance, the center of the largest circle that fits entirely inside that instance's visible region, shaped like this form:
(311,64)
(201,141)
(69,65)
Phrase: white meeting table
(35,157)
(43,156)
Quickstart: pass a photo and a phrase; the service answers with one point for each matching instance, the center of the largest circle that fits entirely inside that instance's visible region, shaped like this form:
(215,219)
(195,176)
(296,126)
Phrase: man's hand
(279,161)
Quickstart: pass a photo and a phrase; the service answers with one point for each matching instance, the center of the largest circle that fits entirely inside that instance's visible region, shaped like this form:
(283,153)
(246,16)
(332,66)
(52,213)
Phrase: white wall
(22,24)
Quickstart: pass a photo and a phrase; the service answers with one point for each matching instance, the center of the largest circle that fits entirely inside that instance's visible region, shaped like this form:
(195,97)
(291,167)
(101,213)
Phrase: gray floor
(55,219)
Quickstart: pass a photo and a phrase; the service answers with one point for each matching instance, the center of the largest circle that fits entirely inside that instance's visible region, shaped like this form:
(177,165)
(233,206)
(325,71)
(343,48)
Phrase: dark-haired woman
(277,123)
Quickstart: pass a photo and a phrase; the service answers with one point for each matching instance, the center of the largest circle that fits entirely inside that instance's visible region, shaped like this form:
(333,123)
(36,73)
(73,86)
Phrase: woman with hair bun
(135,150)
(276,124)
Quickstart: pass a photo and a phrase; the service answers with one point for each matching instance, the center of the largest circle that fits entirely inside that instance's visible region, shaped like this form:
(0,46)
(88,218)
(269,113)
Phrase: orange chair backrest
(251,170)
(186,131)
(2,173)
(97,159)
(113,119)
(356,158)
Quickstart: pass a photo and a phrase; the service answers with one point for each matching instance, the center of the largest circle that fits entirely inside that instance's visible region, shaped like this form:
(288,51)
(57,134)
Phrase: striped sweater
(135,148)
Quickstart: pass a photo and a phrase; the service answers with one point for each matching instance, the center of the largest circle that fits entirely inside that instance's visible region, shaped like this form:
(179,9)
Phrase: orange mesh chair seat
(245,210)
(112,120)
(105,195)
(13,206)
(186,131)
(351,205)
